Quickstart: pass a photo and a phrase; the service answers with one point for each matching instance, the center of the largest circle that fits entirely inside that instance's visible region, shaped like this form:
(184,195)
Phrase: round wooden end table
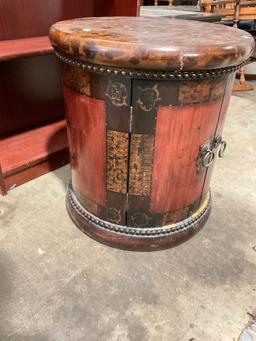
(145,102)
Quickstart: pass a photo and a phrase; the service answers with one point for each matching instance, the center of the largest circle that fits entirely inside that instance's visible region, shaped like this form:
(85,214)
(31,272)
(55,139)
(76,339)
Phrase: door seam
(129,153)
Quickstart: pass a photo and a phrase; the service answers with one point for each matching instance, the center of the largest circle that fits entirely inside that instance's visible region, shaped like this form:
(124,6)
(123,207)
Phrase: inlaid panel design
(76,79)
(147,97)
(140,219)
(117,161)
(117,202)
(139,214)
(141,157)
(175,216)
(117,93)
(218,87)
(113,214)
(194,91)
(113,210)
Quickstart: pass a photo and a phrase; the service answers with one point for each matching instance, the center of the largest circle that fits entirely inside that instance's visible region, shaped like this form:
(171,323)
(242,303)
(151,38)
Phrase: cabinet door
(170,123)
(135,144)
(229,81)
(147,97)
(98,114)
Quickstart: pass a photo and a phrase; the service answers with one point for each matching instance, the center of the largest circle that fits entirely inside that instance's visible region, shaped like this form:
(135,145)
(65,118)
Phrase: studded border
(187,224)
(152,75)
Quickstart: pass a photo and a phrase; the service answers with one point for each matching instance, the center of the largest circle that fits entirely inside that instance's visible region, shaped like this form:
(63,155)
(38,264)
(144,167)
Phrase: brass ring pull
(222,149)
(208,158)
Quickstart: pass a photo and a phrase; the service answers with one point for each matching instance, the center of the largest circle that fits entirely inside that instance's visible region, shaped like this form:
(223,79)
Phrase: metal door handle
(222,148)
(208,158)
(208,150)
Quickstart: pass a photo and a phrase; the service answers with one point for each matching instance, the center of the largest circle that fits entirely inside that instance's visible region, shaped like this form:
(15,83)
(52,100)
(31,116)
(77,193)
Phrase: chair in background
(240,14)
(169,2)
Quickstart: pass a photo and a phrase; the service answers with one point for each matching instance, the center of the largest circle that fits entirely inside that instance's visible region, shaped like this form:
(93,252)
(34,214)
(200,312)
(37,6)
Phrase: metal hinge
(208,151)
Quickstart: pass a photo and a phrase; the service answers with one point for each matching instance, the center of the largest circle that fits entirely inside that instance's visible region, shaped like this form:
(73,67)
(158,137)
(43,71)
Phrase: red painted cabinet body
(153,165)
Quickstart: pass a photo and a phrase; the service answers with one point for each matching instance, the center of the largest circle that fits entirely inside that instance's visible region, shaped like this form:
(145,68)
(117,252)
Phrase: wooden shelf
(32,153)
(28,47)
(31,93)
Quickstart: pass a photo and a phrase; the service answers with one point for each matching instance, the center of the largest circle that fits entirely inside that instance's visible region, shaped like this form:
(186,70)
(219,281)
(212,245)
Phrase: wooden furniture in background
(231,10)
(156,2)
(32,127)
(178,12)
(169,2)
(245,10)
(234,11)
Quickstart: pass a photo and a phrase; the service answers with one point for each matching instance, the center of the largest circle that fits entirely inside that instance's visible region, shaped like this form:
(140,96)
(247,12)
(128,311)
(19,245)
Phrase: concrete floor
(56,284)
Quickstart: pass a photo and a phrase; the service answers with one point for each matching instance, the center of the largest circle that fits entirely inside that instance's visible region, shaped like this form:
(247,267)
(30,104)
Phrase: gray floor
(56,284)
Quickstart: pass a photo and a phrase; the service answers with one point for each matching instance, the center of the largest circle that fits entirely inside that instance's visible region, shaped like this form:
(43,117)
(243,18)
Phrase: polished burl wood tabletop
(151,43)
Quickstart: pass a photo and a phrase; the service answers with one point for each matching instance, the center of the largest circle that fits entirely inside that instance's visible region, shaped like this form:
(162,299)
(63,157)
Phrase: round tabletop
(145,43)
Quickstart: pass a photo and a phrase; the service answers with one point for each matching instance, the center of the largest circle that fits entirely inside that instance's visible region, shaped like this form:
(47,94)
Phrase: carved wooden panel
(117,161)
(141,158)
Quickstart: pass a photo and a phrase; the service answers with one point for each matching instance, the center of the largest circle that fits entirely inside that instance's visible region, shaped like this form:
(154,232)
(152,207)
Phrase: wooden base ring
(133,238)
